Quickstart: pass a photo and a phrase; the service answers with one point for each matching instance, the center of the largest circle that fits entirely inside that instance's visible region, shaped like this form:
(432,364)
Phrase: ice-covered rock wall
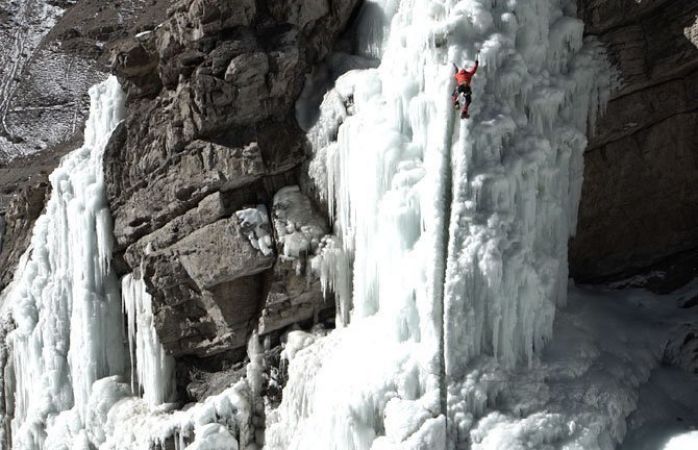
(448,253)
(457,229)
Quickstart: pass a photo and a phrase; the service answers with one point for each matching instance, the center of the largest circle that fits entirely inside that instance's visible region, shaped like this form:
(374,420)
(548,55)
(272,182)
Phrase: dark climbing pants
(467,93)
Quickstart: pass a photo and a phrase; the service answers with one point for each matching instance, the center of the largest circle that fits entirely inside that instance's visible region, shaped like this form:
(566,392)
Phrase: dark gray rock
(136,63)
(206,288)
(220,253)
(248,69)
(205,384)
(639,198)
(202,168)
(682,349)
(664,277)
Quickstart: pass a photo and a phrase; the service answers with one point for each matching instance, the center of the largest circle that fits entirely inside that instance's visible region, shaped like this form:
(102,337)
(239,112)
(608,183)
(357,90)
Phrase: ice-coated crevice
(64,300)
(455,232)
(152,370)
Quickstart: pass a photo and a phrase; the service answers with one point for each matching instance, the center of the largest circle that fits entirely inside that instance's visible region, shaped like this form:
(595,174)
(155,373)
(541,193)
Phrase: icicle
(152,369)
(334,266)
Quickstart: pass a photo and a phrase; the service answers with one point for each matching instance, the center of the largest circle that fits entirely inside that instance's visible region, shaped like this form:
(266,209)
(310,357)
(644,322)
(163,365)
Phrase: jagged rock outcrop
(639,198)
(211,135)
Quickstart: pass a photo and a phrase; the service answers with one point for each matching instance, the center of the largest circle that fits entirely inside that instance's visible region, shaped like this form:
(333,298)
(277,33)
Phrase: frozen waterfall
(448,260)
(64,300)
(457,229)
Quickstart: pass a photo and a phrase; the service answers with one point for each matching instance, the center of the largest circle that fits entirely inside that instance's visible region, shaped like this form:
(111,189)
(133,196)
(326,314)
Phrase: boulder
(205,288)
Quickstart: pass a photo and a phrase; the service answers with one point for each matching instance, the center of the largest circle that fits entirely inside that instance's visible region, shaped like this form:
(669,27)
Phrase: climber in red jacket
(463,78)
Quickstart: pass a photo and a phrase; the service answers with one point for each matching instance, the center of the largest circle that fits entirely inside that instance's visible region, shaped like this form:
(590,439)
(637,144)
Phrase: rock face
(210,138)
(639,198)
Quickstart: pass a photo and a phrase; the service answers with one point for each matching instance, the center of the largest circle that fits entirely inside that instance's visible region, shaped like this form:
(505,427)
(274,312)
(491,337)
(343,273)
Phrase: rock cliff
(639,198)
(202,177)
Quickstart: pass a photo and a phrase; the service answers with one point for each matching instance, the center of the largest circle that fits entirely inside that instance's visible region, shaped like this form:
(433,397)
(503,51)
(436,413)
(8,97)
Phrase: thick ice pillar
(64,299)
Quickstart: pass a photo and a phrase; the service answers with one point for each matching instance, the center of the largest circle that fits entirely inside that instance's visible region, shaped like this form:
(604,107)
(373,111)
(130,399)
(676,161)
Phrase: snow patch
(298,229)
(686,441)
(255,223)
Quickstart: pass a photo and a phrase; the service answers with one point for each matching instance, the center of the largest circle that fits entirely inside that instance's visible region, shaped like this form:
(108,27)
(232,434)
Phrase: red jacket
(463,76)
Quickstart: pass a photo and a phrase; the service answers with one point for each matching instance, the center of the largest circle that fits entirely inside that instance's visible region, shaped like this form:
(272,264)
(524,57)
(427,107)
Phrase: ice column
(152,370)
(64,299)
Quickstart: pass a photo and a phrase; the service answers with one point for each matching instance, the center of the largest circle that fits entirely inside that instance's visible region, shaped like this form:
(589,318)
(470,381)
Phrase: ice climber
(463,78)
